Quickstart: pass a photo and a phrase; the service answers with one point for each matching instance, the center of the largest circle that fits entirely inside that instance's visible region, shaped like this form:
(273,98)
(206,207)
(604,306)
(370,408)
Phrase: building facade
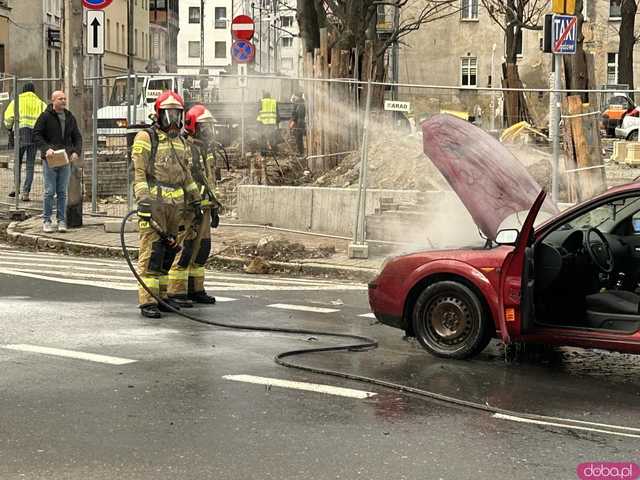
(164,25)
(215,20)
(5,17)
(467,50)
(117,38)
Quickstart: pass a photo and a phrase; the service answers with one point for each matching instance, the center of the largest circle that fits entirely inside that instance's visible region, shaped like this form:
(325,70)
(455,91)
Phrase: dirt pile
(277,249)
(397,164)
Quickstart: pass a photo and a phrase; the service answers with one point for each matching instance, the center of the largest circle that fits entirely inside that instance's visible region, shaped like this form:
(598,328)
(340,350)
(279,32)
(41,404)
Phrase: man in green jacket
(30,109)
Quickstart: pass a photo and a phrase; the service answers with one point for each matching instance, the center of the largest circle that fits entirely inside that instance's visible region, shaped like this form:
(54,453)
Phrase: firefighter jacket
(167,176)
(268,114)
(31,107)
(202,167)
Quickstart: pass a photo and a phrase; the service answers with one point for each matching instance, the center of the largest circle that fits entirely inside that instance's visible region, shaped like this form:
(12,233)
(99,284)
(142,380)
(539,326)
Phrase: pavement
(231,243)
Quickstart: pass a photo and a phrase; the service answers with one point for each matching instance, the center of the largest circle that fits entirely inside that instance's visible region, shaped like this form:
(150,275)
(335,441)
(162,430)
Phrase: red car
(572,280)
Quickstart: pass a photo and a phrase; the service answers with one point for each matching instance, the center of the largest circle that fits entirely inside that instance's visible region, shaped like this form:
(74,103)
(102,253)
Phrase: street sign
(395,106)
(95,32)
(96,4)
(242,75)
(242,27)
(243,51)
(564,34)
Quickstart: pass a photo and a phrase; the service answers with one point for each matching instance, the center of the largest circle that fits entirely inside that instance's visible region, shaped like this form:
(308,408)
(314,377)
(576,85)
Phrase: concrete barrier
(317,209)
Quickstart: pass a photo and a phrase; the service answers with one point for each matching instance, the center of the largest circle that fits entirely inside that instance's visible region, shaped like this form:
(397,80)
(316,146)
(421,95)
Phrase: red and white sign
(96,4)
(243,27)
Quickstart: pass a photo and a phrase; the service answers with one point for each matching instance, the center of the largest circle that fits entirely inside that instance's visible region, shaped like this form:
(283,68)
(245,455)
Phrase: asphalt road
(176,411)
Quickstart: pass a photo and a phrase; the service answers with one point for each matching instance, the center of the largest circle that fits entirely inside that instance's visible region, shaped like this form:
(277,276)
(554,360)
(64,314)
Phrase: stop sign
(242,27)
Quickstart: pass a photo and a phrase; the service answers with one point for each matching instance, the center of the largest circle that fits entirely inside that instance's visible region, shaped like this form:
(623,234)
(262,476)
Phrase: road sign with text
(564,34)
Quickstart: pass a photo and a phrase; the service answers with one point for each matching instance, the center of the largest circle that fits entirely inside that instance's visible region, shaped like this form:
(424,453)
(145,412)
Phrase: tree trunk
(576,69)
(627,42)
(309,24)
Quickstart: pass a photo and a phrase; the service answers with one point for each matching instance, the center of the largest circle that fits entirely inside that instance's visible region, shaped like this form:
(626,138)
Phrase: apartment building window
(135,41)
(123,38)
(469,72)
(615,9)
(287,42)
(108,34)
(469,9)
(117,36)
(221,17)
(221,49)
(519,42)
(612,68)
(194,14)
(287,21)
(194,49)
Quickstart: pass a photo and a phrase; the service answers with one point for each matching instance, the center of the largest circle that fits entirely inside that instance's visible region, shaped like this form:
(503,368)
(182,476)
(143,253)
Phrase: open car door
(517,280)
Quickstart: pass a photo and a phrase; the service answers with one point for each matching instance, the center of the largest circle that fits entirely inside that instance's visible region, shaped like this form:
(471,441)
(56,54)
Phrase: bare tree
(351,23)
(628,40)
(513,16)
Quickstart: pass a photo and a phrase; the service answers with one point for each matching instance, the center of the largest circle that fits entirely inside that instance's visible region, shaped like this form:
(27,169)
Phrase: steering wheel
(599,250)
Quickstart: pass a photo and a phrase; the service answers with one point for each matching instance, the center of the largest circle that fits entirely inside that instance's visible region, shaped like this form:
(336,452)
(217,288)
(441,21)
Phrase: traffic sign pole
(557,59)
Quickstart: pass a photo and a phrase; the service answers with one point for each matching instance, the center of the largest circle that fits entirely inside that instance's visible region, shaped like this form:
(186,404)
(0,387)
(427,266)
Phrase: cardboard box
(58,159)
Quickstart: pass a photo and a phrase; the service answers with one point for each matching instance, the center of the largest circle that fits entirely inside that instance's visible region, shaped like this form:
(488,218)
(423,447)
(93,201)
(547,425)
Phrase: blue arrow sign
(564,34)
(243,51)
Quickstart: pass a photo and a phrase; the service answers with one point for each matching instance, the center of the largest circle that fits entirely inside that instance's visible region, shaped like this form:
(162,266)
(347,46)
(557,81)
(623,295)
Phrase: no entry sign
(242,27)
(96,4)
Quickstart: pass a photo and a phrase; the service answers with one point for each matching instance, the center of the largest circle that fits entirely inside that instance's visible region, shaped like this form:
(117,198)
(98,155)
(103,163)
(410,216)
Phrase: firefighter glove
(197,210)
(144,209)
(215,218)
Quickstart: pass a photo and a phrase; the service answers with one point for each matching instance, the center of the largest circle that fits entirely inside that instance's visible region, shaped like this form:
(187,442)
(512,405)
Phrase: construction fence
(341,114)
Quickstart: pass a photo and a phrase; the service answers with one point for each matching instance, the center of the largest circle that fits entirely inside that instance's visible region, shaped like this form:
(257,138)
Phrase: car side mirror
(507,237)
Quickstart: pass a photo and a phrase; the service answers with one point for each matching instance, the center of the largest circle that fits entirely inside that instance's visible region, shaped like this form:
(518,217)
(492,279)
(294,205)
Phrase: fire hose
(358,343)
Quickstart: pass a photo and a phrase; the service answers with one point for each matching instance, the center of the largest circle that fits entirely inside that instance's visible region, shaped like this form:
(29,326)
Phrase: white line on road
(303,308)
(567,425)
(309,387)
(92,357)
(368,315)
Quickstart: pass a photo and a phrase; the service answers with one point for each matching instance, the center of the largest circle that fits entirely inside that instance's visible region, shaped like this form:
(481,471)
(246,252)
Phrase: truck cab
(113,118)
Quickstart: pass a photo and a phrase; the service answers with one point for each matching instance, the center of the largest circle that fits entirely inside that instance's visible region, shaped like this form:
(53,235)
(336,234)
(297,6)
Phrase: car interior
(586,272)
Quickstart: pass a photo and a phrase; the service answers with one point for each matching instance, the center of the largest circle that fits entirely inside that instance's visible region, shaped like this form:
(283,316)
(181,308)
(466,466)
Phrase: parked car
(616,107)
(628,130)
(571,280)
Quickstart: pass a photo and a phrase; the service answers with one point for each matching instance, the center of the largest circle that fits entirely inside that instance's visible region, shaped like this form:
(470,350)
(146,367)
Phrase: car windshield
(605,217)
(119,92)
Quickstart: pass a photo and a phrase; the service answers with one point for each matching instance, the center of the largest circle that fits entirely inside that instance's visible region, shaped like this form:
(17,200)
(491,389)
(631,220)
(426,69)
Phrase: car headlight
(121,123)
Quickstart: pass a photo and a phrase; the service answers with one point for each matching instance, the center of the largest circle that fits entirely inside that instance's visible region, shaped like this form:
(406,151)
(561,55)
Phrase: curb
(235,263)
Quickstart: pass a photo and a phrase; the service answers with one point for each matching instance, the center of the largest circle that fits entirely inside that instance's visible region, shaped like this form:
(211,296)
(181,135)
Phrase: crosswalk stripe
(92,357)
(309,387)
(368,315)
(302,308)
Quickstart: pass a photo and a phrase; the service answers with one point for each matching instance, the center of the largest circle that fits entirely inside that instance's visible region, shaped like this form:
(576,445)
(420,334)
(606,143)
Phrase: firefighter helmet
(195,115)
(169,109)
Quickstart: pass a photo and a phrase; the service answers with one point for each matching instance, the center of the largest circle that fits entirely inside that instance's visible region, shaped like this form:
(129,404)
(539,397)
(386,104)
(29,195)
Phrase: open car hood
(490,181)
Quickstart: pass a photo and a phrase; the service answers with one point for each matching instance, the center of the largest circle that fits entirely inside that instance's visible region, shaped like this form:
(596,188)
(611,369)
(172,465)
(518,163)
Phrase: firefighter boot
(171,303)
(199,296)
(150,310)
(181,300)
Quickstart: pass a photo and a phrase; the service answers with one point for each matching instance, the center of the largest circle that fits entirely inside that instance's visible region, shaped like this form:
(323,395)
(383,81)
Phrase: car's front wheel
(633,136)
(449,321)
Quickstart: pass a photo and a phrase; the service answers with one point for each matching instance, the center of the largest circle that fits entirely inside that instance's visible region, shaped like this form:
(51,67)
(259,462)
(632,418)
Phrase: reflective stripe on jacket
(31,107)
(268,111)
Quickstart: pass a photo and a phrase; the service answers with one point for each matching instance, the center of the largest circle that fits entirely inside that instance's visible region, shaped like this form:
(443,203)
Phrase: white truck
(113,118)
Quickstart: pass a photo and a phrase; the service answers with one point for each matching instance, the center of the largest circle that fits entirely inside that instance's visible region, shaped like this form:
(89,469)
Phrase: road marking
(92,357)
(368,315)
(302,308)
(309,387)
(569,426)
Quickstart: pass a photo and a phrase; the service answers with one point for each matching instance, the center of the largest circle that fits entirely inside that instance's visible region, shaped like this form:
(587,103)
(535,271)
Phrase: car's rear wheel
(633,136)
(449,321)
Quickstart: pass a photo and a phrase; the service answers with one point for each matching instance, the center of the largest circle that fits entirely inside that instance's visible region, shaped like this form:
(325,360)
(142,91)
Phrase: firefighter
(186,278)
(164,190)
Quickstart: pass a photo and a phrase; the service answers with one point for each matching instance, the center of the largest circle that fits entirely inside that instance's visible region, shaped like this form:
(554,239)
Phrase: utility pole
(74,89)
(395,67)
